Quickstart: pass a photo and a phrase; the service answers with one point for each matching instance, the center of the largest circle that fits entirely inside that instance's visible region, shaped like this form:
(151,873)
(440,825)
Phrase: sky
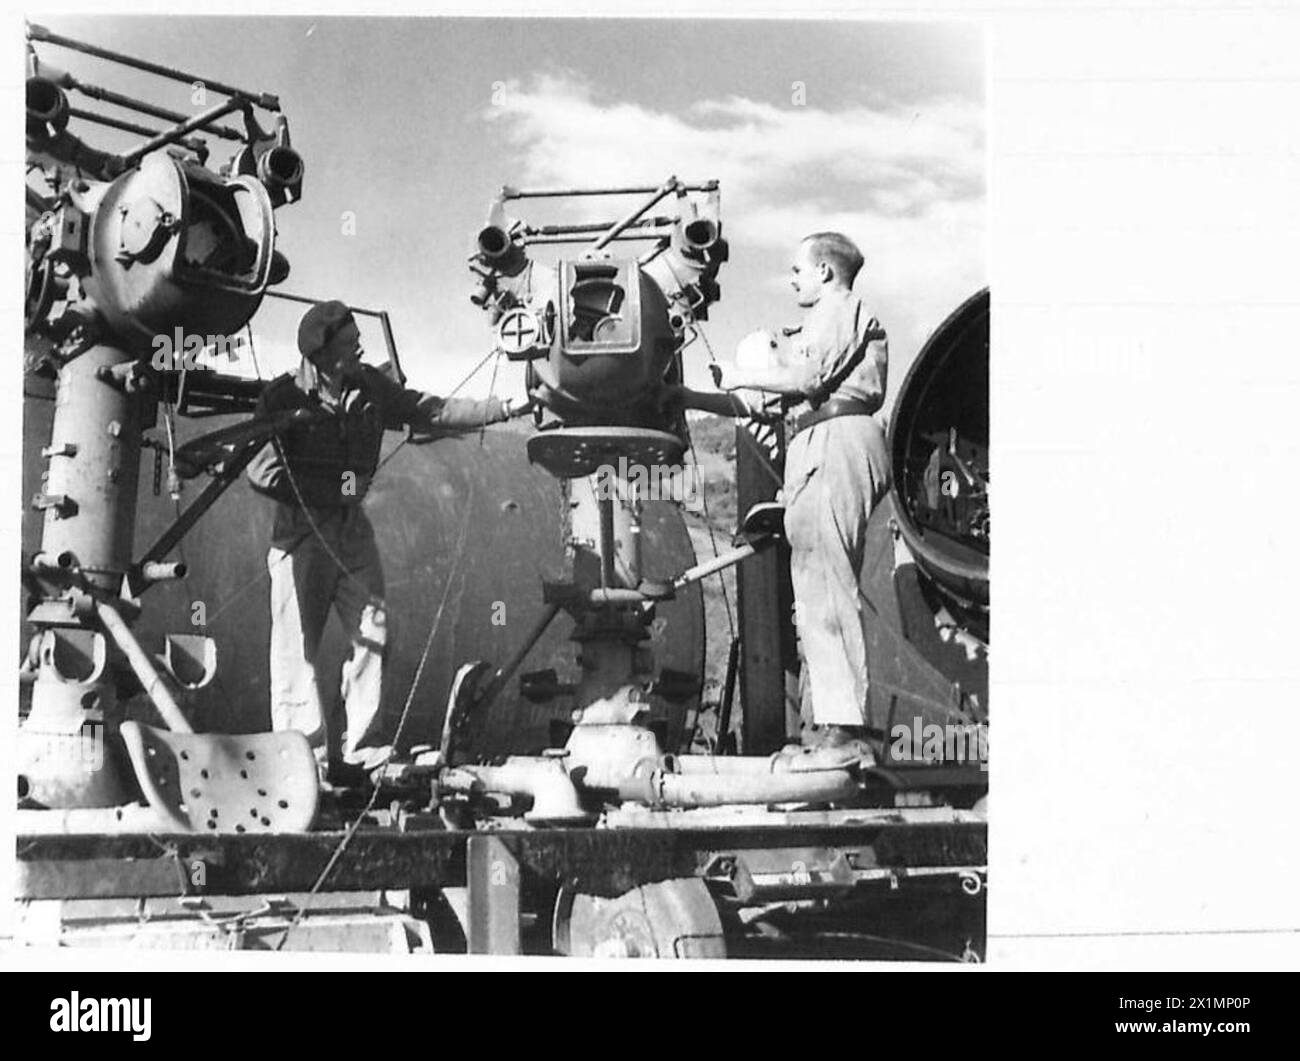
(410,126)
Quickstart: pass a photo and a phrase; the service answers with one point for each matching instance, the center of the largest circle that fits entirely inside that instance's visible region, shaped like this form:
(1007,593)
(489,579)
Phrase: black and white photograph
(506,487)
(510,488)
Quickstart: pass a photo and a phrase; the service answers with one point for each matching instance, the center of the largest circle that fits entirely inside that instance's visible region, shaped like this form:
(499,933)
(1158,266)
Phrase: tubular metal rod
(651,255)
(392,346)
(606,542)
(182,524)
(40,33)
(197,146)
(143,667)
(616,595)
(593,226)
(718,563)
(306,300)
(381,314)
(106,95)
(719,790)
(728,694)
(561,193)
(499,679)
(178,132)
(667,188)
(529,241)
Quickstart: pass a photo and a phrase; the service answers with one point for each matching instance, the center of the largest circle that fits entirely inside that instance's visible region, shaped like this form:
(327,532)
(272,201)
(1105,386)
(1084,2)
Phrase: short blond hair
(838,250)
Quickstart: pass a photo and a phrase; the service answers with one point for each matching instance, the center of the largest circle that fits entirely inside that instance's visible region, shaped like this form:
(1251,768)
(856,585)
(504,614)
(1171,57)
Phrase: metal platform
(509,876)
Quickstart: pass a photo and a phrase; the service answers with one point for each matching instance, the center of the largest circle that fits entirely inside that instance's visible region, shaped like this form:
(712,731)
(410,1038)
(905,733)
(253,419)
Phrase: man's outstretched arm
(428,412)
(716,402)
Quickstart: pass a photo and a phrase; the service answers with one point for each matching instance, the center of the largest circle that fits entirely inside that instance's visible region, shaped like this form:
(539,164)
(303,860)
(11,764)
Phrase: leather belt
(831,409)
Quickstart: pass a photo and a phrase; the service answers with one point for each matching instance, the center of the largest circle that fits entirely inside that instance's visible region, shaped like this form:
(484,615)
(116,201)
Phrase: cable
(352,828)
(239,592)
(450,394)
(173,480)
(492,386)
(289,552)
(690,310)
(428,644)
(698,329)
(377,602)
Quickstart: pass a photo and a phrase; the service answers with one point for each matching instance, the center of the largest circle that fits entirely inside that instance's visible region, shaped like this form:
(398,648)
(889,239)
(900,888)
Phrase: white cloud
(918,268)
(906,183)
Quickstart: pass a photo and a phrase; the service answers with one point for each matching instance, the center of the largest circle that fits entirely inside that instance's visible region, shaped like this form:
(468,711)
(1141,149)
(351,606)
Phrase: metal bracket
(74,656)
(62,504)
(191,659)
(492,874)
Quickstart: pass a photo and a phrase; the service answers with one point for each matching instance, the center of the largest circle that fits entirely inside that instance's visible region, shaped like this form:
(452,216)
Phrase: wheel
(669,919)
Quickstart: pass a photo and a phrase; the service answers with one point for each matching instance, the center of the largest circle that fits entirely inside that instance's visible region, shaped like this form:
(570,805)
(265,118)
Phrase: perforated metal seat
(226,783)
(570,452)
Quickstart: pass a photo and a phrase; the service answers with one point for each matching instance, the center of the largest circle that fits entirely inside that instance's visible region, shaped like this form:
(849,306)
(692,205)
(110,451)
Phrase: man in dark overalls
(323,551)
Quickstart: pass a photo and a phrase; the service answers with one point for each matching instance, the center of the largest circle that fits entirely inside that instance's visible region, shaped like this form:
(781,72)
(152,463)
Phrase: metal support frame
(143,667)
(508,193)
(179,132)
(181,526)
(492,874)
(39,33)
(635,234)
(606,862)
(664,224)
(237,100)
(763,605)
(191,144)
(497,682)
(632,225)
(380,314)
(672,184)
(104,95)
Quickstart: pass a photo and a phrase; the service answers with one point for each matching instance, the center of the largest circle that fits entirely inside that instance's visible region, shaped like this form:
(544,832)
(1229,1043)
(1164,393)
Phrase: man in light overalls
(833,376)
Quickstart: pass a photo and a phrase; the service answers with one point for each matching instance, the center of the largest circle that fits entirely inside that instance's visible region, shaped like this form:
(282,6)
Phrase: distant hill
(713,440)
